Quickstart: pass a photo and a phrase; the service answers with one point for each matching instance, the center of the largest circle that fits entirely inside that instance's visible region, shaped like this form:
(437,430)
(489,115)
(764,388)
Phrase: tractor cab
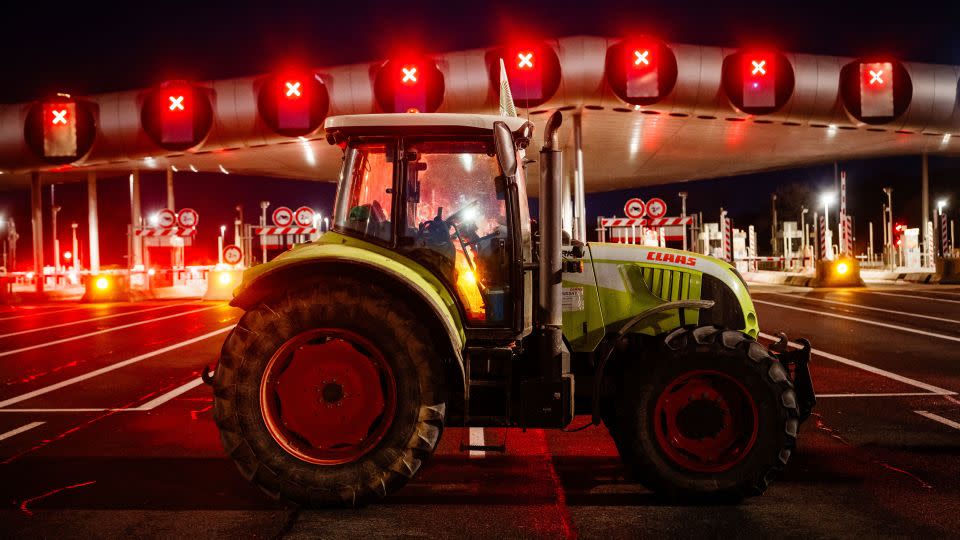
(432,188)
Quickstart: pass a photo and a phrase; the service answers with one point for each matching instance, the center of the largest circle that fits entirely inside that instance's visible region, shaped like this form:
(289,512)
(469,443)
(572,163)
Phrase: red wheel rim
(706,421)
(328,396)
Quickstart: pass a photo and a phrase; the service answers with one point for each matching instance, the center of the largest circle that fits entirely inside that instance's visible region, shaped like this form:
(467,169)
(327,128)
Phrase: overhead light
(224,171)
(173,168)
(192,168)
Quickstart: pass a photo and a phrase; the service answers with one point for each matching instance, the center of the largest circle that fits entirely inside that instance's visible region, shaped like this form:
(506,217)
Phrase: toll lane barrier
(948,271)
(107,287)
(221,282)
(840,272)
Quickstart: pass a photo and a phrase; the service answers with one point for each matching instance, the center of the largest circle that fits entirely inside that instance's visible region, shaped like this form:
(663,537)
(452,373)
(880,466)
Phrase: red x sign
(526,60)
(59,117)
(642,58)
(409,74)
(176,103)
(293,89)
(875,76)
(759,67)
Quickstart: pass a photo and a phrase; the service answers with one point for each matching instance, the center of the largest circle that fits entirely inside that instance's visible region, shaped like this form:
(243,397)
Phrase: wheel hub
(328,396)
(705,421)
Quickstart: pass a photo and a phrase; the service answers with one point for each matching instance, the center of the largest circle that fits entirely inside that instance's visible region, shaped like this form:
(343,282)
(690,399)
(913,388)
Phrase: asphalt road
(105,430)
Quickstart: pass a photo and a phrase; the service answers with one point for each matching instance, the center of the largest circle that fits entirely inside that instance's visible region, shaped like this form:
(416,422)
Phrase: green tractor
(436,301)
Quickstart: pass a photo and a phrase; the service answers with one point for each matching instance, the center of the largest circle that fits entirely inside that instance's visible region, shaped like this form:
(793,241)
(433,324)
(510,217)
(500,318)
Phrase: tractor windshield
(456,221)
(365,197)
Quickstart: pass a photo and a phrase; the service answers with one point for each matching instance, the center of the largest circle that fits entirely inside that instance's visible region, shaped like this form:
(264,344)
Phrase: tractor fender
(310,262)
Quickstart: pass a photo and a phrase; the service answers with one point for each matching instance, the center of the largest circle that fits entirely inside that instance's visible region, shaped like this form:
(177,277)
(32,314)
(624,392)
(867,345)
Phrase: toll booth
(791,239)
(710,240)
(908,246)
(158,244)
(741,250)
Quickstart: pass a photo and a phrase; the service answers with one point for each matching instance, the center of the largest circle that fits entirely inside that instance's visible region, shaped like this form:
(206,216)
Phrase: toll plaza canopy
(650,112)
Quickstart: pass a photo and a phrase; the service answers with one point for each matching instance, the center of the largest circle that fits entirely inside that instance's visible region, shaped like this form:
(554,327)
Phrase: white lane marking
(111,367)
(20,430)
(104,331)
(938,418)
(476,439)
(891,394)
(875,370)
(52,311)
(77,410)
(93,319)
(865,321)
(931,317)
(915,296)
(160,400)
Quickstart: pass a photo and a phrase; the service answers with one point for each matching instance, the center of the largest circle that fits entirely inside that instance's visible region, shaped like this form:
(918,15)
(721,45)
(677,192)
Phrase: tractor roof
(419,123)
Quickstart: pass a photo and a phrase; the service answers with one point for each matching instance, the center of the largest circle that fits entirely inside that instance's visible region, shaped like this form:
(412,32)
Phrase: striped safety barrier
(151,232)
(944,237)
(283,230)
(646,222)
(822,235)
(726,234)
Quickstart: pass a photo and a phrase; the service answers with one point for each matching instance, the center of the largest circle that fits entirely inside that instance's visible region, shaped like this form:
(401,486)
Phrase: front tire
(329,396)
(711,414)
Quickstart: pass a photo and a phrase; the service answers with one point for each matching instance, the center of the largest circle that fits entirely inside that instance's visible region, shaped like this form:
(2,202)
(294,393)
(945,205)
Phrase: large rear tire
(329,396)
(710,415)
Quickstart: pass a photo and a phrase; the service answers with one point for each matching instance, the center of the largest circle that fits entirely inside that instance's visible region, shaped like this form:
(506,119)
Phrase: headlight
(102,283)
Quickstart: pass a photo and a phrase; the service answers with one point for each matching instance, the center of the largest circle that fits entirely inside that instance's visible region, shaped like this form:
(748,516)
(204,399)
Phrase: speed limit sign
(282,216)
(656,208)
(634,208)
(166,218)
(304,216)
(188,218)
(232,254)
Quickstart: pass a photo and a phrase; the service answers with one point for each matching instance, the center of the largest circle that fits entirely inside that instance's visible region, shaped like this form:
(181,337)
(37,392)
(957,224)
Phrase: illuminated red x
(759,67)
(293,89)
(526,60)
(59,117)
(176,103)
(409,75)
(642,58)
(875,76)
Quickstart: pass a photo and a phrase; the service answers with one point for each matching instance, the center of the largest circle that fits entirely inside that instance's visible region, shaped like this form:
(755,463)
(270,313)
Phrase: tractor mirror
(506,152)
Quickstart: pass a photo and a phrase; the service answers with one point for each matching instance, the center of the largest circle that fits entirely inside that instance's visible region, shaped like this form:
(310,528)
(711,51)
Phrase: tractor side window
(456,222)
(366,194)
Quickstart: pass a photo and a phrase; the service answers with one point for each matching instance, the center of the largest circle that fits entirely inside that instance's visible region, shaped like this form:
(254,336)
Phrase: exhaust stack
(553,353)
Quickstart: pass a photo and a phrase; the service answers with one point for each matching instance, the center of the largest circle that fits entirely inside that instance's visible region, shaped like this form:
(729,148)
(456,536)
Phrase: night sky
(97,47)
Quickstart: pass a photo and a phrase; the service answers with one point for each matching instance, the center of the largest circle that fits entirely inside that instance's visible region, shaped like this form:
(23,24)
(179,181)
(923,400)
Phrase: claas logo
(660,256)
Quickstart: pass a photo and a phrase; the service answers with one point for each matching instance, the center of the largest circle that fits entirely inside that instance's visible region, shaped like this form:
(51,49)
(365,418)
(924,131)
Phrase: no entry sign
(656,208)
(166,218)
(282,216)
(304,216)
(232,255)
(634,208)
(188,218)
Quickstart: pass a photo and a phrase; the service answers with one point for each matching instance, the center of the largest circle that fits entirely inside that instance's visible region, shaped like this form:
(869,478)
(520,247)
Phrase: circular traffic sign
(188,218)
(232,254)
(166,218)
(634,208)
(656,208)
(304,216)
(282,216)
